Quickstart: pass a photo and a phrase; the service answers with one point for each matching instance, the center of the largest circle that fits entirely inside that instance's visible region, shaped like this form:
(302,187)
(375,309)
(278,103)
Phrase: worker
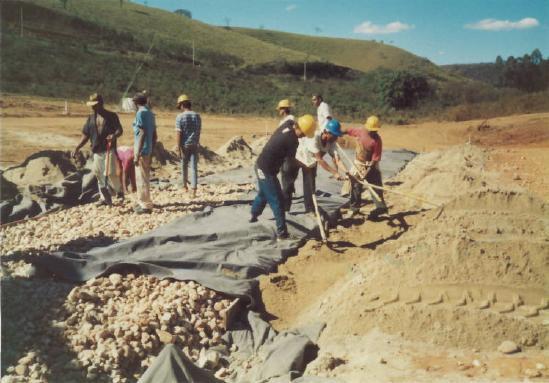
(188,125)
(366,165)
(282,144)
(145,137)
(310,153)
(289,165)
(102,128)
(323,113)
(284,109)
(127,170)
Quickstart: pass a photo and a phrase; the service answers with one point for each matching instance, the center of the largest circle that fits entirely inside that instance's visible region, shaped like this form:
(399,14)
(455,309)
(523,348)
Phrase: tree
(184,12)
(64,2)
(403,89)
(536,57)
(499,61)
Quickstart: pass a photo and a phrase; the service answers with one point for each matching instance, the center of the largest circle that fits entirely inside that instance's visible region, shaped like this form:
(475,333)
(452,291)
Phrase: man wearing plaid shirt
(188,125)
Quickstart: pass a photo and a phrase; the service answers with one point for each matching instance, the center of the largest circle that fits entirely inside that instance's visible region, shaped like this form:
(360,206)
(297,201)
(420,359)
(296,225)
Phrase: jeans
(190,155)
(269,191)
(374,178)
(290,171)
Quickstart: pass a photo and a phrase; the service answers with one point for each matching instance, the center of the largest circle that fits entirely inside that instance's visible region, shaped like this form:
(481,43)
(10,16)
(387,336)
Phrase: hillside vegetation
(102,46)
(361,55)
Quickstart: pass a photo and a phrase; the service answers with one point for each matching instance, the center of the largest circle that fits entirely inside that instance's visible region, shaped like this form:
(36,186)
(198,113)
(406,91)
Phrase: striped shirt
(189,124)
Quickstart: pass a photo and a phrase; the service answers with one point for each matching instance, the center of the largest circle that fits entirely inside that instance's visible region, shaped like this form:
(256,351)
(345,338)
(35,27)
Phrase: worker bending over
(366,165)
(310,153)
(282,144)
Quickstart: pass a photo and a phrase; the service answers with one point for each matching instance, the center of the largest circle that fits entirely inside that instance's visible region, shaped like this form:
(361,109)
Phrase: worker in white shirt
(323,112)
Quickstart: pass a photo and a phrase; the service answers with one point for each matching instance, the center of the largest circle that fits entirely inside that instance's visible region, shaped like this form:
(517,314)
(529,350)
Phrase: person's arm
(338,163)
(82,142)
(322,162)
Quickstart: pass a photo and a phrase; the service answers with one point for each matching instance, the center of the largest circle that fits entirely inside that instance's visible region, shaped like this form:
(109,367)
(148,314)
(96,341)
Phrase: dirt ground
(519,144)
(427,339)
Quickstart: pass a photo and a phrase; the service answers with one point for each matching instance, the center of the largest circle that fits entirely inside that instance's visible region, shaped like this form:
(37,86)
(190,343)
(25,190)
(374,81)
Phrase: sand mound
(45,167)
(236,148)
(258,145)
(441,175)
(472,276)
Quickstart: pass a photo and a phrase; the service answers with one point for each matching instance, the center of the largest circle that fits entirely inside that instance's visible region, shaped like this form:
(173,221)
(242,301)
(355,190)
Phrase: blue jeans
(189,155)
(269,191)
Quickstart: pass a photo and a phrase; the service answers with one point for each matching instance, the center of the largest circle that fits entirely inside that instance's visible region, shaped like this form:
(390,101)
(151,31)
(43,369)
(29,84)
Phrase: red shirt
(372,146)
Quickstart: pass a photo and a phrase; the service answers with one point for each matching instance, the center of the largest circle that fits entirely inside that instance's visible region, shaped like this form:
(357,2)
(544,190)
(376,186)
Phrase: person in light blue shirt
(188,125)
(145,137)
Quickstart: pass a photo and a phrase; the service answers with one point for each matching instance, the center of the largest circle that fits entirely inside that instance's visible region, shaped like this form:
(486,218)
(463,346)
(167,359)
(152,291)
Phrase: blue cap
(334,127)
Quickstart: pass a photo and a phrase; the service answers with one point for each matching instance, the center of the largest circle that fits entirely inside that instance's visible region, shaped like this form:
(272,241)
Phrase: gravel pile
(82,227)
(111,329)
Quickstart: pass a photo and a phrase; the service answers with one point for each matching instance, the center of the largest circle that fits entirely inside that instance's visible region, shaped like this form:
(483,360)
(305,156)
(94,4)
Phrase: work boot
(120,196)
(107,200)
(193,195)
(252,219)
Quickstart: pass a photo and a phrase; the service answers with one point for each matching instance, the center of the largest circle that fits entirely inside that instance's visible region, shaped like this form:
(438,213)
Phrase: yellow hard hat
(284,104)
(182,98)
(372,124)
(307,125)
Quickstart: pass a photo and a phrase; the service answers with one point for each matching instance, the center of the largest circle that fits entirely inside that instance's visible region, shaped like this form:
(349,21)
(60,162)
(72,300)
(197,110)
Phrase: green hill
(98,45)
(361,55)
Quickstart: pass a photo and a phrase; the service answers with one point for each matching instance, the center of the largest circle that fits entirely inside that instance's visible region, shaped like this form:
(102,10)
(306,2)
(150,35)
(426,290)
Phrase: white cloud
(367,27)
(503,25)
(441,53)
(291,7)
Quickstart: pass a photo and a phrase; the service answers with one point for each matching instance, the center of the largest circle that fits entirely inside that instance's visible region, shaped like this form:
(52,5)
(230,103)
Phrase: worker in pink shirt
(366,165)
(125,156)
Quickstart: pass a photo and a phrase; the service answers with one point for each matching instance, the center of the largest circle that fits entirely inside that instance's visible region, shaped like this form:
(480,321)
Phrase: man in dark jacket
(102,129)
(282,144)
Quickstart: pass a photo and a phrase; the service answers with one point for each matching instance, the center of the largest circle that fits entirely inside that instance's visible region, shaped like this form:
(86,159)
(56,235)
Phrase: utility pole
(193,53)
(305,71)
(21,21)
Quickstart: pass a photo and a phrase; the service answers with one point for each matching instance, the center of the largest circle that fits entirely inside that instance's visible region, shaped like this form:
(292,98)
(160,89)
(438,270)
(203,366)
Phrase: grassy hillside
(96,45)
(361,55)
(170,30)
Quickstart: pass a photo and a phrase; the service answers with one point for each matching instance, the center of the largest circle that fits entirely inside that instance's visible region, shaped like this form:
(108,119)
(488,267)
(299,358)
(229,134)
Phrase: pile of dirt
(237,149)
(442,175)
(258,145)
(44,167)
(474,276)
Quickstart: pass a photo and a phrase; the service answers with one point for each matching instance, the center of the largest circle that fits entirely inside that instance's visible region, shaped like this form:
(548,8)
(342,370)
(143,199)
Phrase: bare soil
(421,295)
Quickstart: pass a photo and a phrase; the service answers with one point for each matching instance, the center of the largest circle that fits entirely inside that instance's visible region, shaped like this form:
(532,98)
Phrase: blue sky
(444,31)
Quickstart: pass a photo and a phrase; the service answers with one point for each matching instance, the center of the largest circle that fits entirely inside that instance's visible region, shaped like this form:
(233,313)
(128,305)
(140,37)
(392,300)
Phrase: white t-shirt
(288,117)
(322,113)
(308,147)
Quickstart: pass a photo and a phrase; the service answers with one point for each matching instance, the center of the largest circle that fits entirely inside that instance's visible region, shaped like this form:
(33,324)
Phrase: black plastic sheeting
(221,250)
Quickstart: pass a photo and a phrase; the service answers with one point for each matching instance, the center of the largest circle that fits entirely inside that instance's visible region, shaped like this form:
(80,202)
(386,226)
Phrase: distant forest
(529,73)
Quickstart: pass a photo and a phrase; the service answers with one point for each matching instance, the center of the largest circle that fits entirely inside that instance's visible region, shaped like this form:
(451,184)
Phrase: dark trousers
(289,172)
(269,191)
(374,178)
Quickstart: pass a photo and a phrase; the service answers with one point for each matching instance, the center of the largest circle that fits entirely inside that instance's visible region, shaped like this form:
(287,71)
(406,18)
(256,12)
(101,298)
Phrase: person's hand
(74,153)
(136,161)
(339,177)
(110,137)
(180,152)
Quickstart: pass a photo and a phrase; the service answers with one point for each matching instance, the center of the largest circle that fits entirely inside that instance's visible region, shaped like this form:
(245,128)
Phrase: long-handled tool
(319,220)
(371,186)
(368,186)
(108,160)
